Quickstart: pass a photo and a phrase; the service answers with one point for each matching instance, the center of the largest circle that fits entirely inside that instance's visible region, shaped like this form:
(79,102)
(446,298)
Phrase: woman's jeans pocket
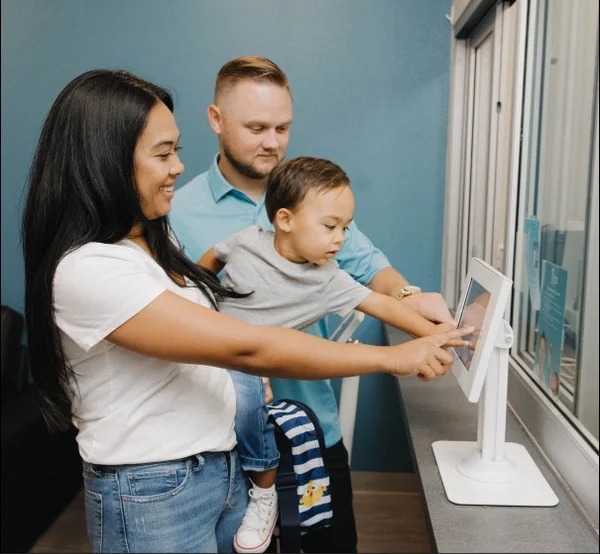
(93,515)
(138,507)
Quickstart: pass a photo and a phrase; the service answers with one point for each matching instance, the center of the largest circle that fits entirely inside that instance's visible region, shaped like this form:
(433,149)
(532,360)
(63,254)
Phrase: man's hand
(211,262)
(268,390)
(431,305)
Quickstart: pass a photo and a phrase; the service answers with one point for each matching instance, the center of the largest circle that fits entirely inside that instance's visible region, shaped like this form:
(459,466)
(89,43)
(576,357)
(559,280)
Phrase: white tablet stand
(491,471)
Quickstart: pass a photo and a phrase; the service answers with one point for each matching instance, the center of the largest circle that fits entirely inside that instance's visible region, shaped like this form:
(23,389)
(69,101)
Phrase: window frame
(562,439)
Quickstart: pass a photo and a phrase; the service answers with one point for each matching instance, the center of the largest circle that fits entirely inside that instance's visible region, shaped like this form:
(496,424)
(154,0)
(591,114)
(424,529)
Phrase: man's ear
(284,219)
(214,118)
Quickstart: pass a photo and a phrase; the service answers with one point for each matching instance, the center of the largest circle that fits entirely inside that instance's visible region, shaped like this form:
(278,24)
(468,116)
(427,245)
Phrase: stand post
(491,422)
(491,471)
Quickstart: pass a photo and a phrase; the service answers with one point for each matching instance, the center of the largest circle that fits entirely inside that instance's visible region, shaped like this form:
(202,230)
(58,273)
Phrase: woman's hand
(425,357)
(176,329)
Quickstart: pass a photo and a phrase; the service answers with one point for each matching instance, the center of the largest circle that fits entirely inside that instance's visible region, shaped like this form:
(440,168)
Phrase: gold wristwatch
(409,290)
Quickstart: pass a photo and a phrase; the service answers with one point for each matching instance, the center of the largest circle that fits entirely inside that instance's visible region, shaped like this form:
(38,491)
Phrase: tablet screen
(473,314)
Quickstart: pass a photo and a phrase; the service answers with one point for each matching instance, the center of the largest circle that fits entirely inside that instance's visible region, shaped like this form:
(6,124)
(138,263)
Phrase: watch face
(408,290)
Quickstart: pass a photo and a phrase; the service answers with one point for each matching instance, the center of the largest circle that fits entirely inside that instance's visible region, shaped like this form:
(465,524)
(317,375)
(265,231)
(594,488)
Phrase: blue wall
(370,86)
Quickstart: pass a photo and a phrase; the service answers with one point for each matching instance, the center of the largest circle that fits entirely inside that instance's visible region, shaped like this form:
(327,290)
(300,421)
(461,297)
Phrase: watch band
(408,290)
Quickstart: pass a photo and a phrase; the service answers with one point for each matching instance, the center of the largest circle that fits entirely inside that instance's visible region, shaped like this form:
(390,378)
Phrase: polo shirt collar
(219,186)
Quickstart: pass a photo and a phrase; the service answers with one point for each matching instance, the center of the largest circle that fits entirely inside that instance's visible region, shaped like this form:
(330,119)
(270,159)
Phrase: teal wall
(370,86)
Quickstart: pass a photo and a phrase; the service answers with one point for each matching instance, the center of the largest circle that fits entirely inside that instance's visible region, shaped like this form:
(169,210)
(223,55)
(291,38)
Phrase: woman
(124,337)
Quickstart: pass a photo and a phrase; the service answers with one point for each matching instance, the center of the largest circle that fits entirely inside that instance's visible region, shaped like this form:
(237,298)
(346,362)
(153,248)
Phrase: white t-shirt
(132,408)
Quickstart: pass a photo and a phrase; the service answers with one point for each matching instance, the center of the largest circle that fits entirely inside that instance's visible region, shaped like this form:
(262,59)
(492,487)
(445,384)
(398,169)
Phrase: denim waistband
(100,468)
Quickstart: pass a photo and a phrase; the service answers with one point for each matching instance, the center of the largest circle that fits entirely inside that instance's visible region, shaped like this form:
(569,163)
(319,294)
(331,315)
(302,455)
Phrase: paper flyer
(551,320)
(533,234)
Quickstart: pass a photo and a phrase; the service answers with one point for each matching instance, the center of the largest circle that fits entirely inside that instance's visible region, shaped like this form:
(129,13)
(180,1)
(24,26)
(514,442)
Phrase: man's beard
(245,169)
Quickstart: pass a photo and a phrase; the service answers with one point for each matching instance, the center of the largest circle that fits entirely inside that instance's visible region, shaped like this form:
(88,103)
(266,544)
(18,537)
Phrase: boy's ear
(283,220)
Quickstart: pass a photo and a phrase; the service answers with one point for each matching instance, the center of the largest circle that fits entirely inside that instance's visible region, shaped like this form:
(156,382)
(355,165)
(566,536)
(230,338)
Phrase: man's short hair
(290,181)
(251,68)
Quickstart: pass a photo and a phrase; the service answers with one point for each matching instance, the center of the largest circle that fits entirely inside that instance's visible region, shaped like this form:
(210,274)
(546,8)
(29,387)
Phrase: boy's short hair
(290,181)
(251,68)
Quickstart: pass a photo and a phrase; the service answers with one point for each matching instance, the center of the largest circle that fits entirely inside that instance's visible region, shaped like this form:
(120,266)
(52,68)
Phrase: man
(252,117)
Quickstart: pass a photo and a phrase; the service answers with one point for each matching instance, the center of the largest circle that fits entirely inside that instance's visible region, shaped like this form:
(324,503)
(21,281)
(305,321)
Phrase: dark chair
(41,471)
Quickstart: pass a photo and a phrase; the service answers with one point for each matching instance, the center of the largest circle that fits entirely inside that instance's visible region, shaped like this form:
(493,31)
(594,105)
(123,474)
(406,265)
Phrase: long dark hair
(81,189)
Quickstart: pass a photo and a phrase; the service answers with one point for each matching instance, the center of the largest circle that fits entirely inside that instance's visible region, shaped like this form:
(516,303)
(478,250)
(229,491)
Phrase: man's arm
(431,305)
(388,281)
(211,262)
(399,315)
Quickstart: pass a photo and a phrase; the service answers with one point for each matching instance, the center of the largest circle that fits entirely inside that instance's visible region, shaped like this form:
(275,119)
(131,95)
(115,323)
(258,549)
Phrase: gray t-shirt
(284,294)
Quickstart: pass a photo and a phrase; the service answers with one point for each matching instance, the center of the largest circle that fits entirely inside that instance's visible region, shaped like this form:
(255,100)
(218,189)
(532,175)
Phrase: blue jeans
(190,505)
(255,432)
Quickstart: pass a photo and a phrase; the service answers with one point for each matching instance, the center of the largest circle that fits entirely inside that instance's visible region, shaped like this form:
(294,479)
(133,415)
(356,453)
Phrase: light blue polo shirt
(208,209)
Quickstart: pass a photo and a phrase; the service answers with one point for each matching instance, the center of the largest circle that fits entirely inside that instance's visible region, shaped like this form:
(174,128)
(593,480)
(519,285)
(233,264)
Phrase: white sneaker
(254,534)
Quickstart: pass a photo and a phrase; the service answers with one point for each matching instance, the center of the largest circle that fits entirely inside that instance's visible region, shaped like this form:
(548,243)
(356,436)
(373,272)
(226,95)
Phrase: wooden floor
(389,513)
(388,509)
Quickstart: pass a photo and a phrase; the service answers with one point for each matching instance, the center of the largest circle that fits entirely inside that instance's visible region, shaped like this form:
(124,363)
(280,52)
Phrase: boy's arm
(399,315)
(368,265)
(211,262)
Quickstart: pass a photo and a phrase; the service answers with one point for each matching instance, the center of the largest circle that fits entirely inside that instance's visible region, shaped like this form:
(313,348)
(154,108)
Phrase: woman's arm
(211,262)
(176,329)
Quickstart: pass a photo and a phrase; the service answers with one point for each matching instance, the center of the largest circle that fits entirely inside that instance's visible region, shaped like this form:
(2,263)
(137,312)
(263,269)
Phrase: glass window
(556,217)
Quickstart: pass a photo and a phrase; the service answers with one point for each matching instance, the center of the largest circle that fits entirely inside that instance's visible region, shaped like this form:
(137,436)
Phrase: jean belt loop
(227,455)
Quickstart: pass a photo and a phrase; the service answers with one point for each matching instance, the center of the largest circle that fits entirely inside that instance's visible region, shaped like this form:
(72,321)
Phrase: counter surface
(440,411)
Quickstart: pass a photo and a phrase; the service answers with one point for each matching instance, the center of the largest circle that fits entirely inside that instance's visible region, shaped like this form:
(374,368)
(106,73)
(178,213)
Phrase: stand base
(530,489)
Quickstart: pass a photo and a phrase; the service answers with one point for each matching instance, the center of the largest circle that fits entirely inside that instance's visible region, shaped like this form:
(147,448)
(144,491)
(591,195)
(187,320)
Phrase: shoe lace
(257,511)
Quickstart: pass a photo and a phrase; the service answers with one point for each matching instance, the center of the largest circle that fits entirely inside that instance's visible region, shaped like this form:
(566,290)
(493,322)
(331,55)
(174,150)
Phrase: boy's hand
(442,328)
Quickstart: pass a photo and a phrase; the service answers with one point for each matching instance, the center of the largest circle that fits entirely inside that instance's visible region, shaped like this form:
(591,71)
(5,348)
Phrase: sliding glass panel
(556,218)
